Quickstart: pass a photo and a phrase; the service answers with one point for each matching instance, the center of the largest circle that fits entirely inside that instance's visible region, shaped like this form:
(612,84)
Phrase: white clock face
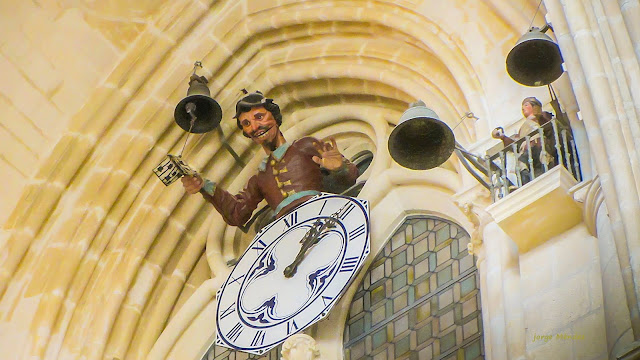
(259,306)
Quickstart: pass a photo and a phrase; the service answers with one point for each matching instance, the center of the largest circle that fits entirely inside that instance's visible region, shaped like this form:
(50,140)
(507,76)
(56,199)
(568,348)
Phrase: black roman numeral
(346,210)
(356,232)
(237,279)
(258,339)
(291,219)
(259,246)
(349,264)
(291,327)
(228,311)
(322,208)
(234,333)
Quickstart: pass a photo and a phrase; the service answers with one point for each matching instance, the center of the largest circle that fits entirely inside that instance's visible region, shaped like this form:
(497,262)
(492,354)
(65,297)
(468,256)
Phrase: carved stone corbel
(479,218)
(593,199)
(300,347)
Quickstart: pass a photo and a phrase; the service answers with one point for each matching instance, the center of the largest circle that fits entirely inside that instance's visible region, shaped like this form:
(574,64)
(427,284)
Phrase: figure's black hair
(254,100)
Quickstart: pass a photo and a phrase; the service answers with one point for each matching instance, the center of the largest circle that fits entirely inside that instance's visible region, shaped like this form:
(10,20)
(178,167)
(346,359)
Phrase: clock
(293,273)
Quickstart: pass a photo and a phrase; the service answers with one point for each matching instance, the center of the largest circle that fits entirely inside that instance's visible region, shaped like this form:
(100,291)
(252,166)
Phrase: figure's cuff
(344,169)
(208,188)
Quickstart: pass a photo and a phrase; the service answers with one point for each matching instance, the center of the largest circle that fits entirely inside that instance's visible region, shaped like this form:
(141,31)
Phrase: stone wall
(51,58)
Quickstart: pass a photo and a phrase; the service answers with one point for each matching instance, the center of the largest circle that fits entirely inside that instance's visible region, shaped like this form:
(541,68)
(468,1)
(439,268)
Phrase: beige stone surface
(539,211)
(99,260)
(563,299)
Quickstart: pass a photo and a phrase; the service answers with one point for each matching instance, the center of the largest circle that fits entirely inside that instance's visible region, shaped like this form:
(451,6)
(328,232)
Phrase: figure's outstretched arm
(235,209)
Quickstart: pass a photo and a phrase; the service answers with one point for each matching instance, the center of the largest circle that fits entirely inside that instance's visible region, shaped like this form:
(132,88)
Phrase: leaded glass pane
(402,346)
(473,351)
(379,338)
(444,276)
(420,299)
(419,227)
(400,302)
(399,261)
(399,281)
(223,353)
(377,294)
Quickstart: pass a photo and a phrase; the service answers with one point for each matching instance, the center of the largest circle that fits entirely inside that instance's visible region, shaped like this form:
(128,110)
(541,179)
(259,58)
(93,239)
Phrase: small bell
(198,112)
(421,141)
(535,60)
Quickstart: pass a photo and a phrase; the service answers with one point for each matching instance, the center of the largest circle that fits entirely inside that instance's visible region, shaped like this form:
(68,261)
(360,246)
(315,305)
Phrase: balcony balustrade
(529,157)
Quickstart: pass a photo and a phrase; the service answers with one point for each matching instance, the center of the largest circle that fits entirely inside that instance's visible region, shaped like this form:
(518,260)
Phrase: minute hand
(311,238)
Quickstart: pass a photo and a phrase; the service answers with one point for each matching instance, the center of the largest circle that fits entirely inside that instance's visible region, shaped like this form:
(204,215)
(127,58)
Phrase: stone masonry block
(564,303)
(535,282)
(573,251)
(32,63)
(228,21)
(100,98)
(535,278)
(10,190)
(283,19)
(37,24)
(70,97)
(17,152)
(551,349)
(27,99)
(590,337)
(120,33)
(494,298)
(594,278)
(256,6)
(92,50)
(615,302)
(11,16)
(171,11)
(16,123)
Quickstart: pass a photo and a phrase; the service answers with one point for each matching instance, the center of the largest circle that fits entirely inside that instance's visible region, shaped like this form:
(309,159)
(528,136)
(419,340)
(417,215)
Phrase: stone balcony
(539,210)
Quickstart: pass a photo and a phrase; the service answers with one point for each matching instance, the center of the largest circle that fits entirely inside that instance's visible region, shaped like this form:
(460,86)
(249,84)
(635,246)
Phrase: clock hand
(311,238)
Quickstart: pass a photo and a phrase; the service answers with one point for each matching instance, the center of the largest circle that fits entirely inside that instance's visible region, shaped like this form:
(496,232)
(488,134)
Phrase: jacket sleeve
(236,209)
(346,175)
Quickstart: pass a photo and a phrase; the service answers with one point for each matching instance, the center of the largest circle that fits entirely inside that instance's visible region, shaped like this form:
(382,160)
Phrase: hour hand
(310,238)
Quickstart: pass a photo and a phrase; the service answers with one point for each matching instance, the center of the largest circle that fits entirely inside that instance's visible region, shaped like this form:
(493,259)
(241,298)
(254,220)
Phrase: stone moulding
(539,210)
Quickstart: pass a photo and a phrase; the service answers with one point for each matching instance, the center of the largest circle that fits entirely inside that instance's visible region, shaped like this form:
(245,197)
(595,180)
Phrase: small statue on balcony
(534,118)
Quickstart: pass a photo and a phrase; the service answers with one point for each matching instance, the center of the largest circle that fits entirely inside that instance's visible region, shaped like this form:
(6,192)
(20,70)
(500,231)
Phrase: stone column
(501,303)
(608,130)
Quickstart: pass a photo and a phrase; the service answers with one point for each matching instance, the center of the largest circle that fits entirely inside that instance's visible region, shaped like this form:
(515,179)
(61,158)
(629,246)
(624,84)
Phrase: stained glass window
(223,353)
(420,298)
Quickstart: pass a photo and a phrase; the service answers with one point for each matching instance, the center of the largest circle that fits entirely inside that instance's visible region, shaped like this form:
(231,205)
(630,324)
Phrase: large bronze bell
(421,141)
(535,60)
(198,107)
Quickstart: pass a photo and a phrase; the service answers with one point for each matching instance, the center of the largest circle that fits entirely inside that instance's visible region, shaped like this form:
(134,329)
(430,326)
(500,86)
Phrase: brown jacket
(286,178)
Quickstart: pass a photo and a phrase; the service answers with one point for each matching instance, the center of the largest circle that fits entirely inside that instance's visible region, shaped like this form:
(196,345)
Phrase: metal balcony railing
(531,156)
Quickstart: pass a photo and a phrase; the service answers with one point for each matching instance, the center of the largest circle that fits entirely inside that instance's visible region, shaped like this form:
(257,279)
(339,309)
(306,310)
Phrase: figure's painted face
(260,126)
(527,109)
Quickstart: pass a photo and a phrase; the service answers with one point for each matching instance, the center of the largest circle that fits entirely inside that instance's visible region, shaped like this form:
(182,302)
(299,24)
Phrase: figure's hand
(330,157)
(192,184)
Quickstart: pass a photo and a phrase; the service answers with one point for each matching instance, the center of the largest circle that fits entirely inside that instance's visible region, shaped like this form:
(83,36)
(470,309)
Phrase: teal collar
(277,154)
